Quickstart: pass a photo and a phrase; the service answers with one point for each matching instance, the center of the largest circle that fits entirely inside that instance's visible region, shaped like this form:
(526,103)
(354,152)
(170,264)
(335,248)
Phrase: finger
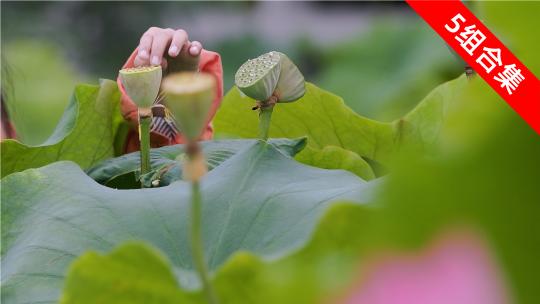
(180,37)
(144,45)
(141,62)
(164,64)
(195,48)
(159,44)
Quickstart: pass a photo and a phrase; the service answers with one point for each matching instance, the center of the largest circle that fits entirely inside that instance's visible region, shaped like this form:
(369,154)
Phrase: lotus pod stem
(197,250)
(145,120)
(142,86)
(265,116)
(194,168)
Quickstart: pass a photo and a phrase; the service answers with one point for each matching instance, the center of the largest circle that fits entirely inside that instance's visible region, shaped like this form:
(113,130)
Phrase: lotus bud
(189,97)
(270,74)
(142,84)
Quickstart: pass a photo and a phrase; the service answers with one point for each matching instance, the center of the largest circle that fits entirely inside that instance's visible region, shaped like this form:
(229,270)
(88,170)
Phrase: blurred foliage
(383,73)
(515,22)
(380,74)
(155,283)
(38,83)
(96,36)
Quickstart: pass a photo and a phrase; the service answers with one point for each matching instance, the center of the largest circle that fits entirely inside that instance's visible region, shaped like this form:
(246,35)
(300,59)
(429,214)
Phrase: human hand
(160,46)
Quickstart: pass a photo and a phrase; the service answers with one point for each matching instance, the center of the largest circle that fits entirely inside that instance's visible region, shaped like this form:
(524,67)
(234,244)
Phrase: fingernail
(155,60)
(173,50)
(194,51)
(143,53)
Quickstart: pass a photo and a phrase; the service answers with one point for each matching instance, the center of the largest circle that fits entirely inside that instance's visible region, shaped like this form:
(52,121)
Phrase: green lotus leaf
(152,278)
(259,200)
(332,157)
(465,191)
(120,172)
(325,119)
(84,135)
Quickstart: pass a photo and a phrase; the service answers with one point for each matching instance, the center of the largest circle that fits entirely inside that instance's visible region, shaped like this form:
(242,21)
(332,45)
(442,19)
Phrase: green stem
(265,115)
(197,250)
(144,137)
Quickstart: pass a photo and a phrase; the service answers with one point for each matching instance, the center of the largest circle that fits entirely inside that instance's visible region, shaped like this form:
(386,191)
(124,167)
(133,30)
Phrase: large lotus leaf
(84,135)
(122,170)
(102,279)
(327,121)
(325,265)
(474,191)
(332,157)
(259,200)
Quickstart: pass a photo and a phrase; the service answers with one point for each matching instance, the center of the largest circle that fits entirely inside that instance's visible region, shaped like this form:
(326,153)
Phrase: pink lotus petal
(458,269)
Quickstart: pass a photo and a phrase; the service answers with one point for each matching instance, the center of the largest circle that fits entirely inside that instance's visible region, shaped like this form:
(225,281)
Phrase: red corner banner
(486,54)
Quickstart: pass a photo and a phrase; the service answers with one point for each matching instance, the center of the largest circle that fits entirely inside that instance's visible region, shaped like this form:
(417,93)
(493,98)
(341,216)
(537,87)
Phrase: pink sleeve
(210,62)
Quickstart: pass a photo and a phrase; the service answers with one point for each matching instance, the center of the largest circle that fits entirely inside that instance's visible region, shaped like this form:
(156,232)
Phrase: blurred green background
(380,57)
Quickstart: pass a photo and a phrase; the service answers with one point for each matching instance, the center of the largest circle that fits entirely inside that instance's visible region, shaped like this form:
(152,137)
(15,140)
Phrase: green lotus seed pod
(142,84)
(270,74)
(257,78)
(189,97)
(291,84)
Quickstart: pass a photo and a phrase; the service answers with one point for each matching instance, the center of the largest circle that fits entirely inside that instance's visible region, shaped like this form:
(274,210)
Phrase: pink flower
(457,269)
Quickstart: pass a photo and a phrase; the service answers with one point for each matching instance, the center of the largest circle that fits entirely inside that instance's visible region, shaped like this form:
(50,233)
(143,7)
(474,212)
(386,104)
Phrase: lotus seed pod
(291,84)
(142,84)
(257,78)
(189,97)
(270,74)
